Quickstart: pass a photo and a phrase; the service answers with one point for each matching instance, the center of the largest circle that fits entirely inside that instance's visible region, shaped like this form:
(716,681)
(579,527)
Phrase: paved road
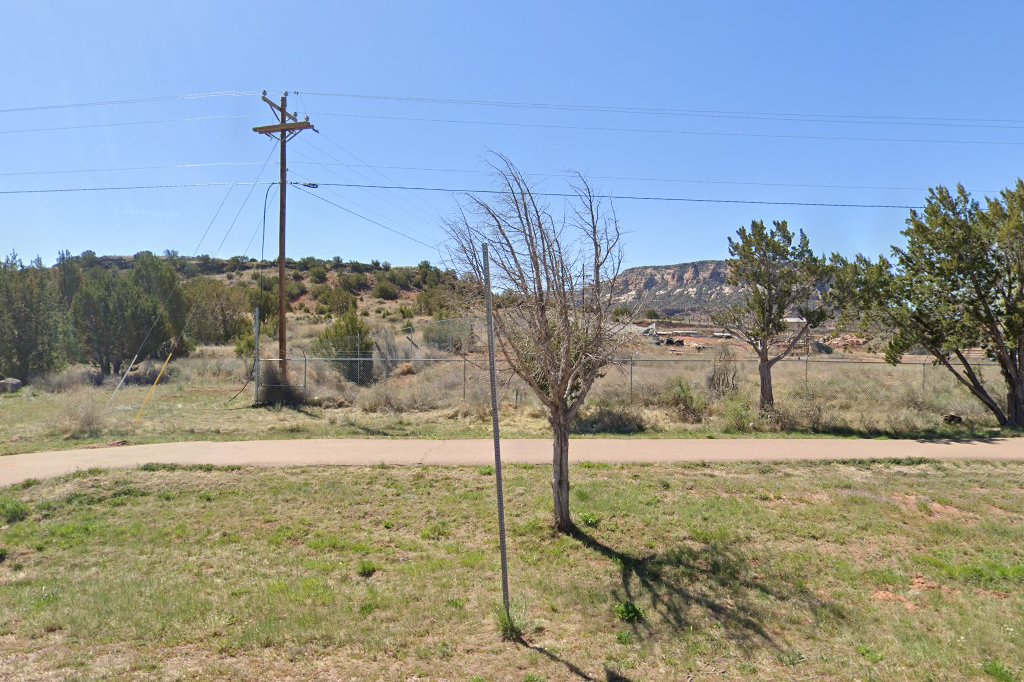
(15,468)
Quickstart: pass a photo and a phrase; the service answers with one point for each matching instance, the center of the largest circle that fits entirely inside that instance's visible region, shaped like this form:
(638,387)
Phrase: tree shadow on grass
(689,584)
(609,675)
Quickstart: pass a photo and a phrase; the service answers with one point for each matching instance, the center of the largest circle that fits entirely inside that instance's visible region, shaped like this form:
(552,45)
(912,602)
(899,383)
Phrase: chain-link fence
(442,365)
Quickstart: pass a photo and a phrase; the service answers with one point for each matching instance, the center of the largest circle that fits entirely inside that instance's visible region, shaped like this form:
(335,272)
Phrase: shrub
(274,390)
(450,336)
(348,338)
(82,415)
(318,275)
(69,378)
(723,377)
(737,414)
(366,568)
(606,418)
(680,396)
(385,290)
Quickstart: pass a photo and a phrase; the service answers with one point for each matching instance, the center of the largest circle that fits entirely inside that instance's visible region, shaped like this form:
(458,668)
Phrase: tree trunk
(560,473)
(767,395)
(1015,404)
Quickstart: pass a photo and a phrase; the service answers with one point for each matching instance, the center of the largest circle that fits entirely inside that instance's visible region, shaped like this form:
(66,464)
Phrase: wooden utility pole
(288,126)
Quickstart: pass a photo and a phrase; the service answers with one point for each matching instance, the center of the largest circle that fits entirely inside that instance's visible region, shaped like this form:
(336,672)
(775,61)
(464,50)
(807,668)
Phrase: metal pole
(923,373)
(497,437)
(305,362)
(256,352)
(465,375)
(359,359)
(631,379)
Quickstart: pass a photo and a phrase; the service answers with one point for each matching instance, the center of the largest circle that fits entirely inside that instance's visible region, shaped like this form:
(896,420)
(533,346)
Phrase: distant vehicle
(721,335)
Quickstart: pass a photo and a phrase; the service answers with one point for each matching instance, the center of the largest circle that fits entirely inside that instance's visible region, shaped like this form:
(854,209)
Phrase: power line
(369,220)
(653,179)
(668,131)
(709,113)
(455,190)
(136,100)
(177,166)
(57,190)
(462,190)
(84,126)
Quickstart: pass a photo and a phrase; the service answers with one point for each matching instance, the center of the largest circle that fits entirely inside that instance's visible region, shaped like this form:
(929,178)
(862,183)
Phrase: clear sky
(869,103)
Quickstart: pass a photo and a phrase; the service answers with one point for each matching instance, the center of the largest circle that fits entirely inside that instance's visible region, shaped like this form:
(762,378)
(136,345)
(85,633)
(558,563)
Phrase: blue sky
(920,64)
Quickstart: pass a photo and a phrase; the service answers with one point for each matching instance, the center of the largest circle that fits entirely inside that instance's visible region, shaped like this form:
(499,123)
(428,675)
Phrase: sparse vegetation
(228,571)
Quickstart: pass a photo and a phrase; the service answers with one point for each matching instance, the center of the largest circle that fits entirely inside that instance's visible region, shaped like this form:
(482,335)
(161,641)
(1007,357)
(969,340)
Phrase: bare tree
(555,281)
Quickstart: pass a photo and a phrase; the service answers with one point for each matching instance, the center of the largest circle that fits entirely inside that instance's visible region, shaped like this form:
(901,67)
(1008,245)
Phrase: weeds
(607,418)
(366,568)
(628,612)
(82,415)
(511,623)
(12,510)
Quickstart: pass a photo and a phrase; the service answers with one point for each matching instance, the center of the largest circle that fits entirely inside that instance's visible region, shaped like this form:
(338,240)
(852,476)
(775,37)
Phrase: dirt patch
(890,596)
(934,510)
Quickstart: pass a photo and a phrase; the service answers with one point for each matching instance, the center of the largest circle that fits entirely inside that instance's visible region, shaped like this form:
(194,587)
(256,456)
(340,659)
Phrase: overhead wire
(669,131)
(710,113)
(459,190)
(464,190)
(135,100)
(176,166)
(117,124)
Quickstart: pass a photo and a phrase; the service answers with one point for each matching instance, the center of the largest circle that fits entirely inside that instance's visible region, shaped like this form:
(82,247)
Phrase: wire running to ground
(369,220)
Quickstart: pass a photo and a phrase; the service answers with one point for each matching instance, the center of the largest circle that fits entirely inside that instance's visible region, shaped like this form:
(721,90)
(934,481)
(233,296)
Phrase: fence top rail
(821,361)
(707,359)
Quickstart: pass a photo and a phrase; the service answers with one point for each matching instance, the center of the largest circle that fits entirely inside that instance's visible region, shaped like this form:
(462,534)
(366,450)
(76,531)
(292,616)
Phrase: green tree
(157,279)
(219,312)
(349,340)
(779,277)
(957,284)
(113,317)
(30,324)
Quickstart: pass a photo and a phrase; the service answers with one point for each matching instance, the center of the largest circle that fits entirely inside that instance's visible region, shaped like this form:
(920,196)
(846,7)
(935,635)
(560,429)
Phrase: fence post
(304,367)
(465,375)
(923,375)
(359,360)
(807,380)
(256,353)
(630,379)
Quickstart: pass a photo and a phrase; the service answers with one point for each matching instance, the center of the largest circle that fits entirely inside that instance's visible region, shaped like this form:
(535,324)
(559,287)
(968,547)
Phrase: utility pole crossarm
(284,127)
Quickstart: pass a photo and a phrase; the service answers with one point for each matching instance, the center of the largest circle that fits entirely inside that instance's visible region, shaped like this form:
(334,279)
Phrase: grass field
(888,571)
(439,400)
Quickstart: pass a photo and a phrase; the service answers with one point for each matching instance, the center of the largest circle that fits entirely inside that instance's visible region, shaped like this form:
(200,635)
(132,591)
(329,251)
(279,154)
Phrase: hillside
(682,289)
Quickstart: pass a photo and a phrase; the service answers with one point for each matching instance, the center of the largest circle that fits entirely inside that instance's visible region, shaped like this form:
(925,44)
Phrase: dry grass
(898,570)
